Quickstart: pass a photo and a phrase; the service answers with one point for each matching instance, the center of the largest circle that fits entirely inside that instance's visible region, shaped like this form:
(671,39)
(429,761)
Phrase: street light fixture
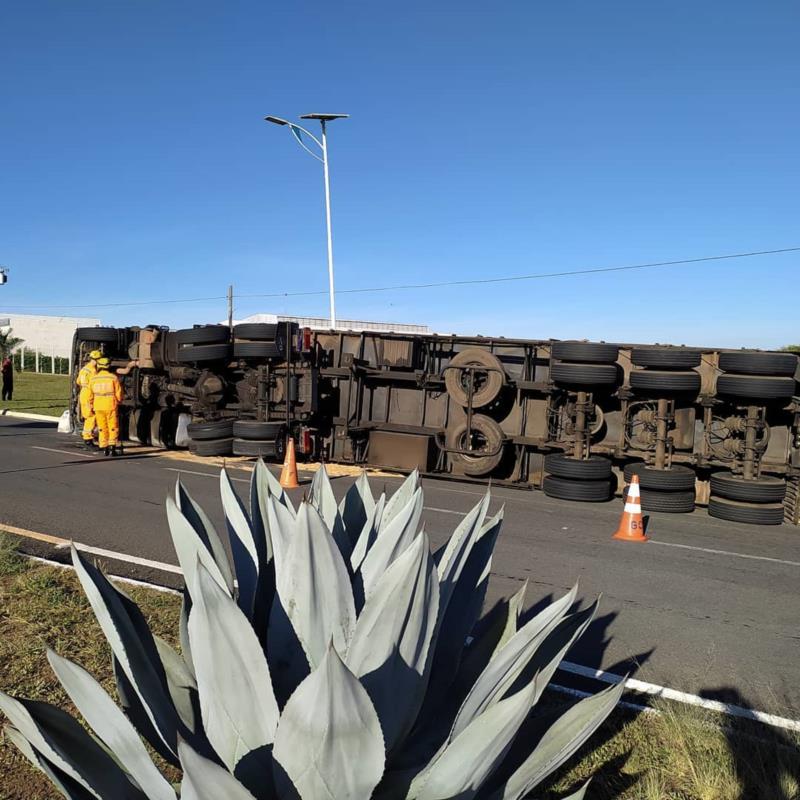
(297,131)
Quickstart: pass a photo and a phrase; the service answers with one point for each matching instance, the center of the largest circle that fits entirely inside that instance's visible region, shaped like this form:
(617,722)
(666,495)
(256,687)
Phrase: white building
(50,336)
(324,324)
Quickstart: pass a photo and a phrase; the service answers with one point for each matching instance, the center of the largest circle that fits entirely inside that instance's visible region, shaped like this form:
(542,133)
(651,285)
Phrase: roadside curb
(4,412)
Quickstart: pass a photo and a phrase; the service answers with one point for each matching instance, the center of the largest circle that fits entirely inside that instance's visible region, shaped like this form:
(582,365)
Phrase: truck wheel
(256,431)
(487,438)
(255,331)
(584,374)
(735,487)
(204,334)
(99,335)
(754,363)
(256,350)
(250,447)
(753,513)
(487,384)
(205,431)
(583,491)
(757,388)
(663,381)
(213,447)
(585,352)
(666,357)
(676,478)
(564,466)
(666,502)
(202,353)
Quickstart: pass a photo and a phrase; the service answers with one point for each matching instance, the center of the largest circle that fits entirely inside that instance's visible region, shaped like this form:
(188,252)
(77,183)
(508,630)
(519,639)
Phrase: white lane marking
(682,697)
(446,511)
(65,452)
(204,474)
(726,553)
(118,578)
(142,562)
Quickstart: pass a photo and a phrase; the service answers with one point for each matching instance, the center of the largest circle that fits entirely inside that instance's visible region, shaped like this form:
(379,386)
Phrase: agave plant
(333,658)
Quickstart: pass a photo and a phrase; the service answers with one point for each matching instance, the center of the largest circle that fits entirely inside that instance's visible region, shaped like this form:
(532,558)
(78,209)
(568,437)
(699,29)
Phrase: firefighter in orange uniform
(87,371)
(105,395)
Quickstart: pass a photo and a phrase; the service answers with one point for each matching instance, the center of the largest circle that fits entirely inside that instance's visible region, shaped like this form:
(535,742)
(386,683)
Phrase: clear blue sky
(485,139)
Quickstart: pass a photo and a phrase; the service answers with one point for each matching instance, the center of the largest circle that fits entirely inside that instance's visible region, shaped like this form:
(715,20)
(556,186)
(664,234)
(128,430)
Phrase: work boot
(107,451)
(88,444)
(116,451)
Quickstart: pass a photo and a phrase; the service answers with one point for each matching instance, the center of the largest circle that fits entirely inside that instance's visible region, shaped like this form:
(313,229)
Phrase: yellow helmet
(95,354)
(104,362)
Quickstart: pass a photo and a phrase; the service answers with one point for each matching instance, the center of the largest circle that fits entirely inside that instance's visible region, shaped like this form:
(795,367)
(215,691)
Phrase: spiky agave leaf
(362,663)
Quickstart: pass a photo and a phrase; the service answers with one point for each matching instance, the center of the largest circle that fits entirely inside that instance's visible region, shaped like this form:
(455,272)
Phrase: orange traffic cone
(631,526)
(289,472)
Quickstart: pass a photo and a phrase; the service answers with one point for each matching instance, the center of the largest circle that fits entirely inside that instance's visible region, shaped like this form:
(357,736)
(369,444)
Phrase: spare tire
(585,352)
(256,431)
(753,513)
(735,487)
(664,381)
(249,447)
(676,478)
(205,431)
(584,374)
(212,447)
(257,350)
(666,357)
(755,363)
(204,334)
(201,353)
(563,466)
(583,491)
(749,386)
(488,383)
(255,331)
(99,335)
(490,441)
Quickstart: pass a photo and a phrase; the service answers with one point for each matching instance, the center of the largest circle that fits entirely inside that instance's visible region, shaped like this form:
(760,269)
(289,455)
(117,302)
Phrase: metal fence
(26,359)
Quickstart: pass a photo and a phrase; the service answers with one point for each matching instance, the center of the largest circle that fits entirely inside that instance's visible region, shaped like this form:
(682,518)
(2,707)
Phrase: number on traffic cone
(631,526)
(289,472)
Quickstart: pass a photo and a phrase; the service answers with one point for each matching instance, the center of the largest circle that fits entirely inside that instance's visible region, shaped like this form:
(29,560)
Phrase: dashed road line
(726,553)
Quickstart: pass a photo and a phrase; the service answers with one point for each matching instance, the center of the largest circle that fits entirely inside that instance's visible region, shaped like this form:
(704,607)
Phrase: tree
(9,342)
(791,348)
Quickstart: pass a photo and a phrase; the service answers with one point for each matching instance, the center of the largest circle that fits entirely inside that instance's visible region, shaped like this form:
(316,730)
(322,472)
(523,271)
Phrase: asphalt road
(720,624)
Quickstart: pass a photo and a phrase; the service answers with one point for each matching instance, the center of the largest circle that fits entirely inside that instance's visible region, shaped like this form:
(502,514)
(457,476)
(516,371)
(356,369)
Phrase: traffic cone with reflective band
(631,526)
(289,471)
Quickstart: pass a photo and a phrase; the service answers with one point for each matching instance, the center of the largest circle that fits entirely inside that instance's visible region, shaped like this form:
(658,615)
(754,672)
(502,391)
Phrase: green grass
(39,394)
(680,754)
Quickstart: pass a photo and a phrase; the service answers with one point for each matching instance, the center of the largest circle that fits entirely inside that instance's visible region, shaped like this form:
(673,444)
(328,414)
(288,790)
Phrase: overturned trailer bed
(698,425)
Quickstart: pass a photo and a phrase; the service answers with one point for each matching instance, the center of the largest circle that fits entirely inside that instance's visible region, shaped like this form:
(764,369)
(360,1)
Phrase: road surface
(705,607)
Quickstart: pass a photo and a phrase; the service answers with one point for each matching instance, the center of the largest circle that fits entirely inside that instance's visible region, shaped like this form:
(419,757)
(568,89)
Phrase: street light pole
(323,147)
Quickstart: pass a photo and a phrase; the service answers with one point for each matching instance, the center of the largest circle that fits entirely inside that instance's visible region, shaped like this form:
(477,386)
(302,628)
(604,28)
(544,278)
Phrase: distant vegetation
(791,348)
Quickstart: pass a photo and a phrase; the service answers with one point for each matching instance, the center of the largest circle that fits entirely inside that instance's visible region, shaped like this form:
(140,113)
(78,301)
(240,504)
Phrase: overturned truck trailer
(714,427)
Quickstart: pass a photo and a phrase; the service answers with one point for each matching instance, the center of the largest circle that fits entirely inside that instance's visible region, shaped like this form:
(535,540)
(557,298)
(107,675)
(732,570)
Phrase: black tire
(677,478)
(201,353)
(204,334)
(735,487)
(651,380)
(256,431)
(754,363)
(257,350)
(752,513)
(665,502)
(757,388)
(582,491)
(205,431)
(212,447)
(490,440)
(563,466)
(250,447)
(256,331)
(584,374)
(99,335)
(585,352)
(666,357)
(489,383)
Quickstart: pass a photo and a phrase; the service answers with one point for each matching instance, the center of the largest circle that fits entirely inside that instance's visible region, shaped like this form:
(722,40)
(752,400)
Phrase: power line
(438,284)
